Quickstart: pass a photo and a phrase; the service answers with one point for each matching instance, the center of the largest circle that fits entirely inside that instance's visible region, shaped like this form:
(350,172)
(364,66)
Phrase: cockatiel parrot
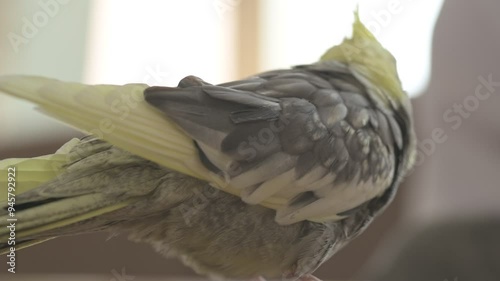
(265,177)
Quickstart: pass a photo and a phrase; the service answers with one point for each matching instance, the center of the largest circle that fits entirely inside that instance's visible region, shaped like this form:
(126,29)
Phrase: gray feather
(311,115)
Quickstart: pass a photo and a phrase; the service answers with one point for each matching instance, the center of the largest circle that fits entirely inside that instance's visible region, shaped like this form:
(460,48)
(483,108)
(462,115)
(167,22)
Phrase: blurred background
(445,222)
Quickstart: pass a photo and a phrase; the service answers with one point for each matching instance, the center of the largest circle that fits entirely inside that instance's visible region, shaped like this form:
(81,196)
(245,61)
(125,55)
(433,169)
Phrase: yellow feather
(31,172)
(370,62)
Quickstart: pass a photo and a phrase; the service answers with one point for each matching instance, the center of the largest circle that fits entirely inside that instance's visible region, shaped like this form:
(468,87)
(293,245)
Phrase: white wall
(39,37)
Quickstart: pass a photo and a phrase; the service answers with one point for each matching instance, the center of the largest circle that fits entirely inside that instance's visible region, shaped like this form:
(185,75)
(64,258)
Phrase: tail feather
(25,174)
(34,172)
(37,212)
(59,213)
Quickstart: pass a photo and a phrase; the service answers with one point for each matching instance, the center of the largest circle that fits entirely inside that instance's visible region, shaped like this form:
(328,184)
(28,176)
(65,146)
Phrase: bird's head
(371,63)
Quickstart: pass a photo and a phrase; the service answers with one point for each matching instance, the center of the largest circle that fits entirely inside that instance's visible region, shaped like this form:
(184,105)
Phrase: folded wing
(307,142)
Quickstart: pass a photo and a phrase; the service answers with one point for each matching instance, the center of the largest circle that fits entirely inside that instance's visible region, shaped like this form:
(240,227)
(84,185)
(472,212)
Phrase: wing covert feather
(296,135)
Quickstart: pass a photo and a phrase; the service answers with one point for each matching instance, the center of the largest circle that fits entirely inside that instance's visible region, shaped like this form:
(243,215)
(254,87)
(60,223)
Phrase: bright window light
(159,42)
(299,31)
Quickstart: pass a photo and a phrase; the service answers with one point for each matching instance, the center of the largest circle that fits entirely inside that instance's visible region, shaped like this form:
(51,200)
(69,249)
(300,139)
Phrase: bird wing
(308,142)
(117,114)
(305,142)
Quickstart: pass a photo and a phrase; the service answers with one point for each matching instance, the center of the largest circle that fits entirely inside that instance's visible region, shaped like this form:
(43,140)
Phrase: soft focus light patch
(159,42)
(299,31)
